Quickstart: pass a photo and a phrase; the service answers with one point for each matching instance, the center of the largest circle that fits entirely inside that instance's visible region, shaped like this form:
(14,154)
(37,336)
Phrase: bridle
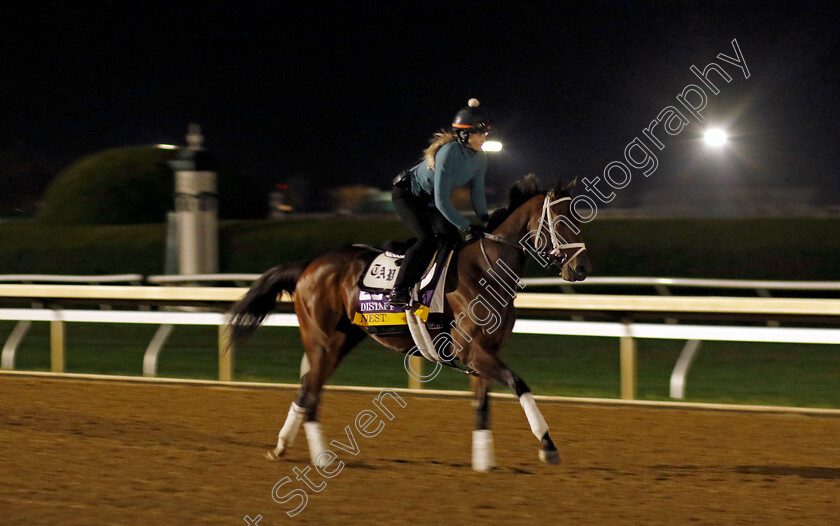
(556,254)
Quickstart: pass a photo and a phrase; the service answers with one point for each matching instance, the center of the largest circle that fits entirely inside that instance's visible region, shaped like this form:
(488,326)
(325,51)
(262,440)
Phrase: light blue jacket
(455,166)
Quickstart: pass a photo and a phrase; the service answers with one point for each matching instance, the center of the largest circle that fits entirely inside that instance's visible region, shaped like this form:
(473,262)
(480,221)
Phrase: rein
(497,239)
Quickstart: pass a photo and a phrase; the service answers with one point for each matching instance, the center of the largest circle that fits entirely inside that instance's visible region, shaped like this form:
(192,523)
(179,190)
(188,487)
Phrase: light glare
(166,146)
(492,146)
(715,137)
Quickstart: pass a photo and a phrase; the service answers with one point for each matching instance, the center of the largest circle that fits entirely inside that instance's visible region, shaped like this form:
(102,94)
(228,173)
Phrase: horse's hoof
(550,456)
(275,453)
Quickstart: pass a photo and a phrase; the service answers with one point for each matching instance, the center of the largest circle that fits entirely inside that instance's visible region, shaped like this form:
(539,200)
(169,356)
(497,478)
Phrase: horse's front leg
(548,452)
(492,367)
(483,454)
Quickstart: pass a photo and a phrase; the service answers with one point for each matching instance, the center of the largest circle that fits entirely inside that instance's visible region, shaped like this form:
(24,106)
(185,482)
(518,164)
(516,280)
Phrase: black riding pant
(431,229)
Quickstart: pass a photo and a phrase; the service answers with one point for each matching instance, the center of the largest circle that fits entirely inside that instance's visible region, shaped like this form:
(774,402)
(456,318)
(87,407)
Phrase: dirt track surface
(85,452)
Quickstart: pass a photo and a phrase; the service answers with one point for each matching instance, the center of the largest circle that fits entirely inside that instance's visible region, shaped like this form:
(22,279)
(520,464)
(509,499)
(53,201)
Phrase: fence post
(416,364)
(57,351)
(150,357)
(7,357)
(225,354)
(678,376)
(628,364)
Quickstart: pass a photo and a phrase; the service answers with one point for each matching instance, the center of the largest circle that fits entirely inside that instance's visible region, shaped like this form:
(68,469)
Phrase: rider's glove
(475,232)
(484,219)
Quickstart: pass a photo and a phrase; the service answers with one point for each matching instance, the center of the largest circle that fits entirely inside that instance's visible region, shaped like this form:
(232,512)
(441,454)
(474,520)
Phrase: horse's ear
(514,196)
(570,188)
(558,186)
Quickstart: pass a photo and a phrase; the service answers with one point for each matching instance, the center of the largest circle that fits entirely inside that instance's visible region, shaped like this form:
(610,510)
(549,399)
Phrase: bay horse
(326,294)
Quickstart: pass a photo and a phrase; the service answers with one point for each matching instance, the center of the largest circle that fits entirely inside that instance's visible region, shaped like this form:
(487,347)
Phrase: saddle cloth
(378,316)
(382,272)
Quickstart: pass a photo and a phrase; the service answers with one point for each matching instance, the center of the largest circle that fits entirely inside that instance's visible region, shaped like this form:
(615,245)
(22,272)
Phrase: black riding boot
(426,222)
(399,296)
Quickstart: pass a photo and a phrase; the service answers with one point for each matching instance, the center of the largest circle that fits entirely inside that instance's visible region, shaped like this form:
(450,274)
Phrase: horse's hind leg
(294,418)
(324,353)
(492,367)
(483,455)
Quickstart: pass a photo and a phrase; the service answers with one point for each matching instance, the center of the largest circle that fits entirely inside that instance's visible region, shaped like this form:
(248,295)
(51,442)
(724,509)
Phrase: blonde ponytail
(439,139)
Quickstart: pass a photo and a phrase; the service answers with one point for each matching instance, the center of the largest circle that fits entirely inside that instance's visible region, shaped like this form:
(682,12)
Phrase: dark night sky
(348,93)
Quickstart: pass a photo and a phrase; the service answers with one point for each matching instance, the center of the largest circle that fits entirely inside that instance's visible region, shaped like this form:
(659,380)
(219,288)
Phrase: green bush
(134,185)
(117,186)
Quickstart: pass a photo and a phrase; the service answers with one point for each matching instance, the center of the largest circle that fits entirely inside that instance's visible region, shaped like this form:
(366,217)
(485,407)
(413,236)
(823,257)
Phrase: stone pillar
(196,208)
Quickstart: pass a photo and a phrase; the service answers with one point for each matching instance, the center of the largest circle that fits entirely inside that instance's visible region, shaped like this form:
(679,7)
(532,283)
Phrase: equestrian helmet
(470,120)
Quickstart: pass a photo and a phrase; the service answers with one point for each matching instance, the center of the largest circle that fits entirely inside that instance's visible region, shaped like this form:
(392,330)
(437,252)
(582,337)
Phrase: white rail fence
(760,286)
(661,285)
(618,305)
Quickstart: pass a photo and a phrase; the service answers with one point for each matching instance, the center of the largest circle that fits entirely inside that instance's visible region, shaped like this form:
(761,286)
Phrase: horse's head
(555,234)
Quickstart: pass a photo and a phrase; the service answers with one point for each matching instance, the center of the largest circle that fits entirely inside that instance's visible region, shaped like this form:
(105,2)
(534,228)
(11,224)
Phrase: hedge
(134,185)
(792,249)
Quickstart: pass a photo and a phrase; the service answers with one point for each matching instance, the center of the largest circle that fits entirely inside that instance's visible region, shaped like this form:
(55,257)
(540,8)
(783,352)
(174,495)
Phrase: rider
(421,195)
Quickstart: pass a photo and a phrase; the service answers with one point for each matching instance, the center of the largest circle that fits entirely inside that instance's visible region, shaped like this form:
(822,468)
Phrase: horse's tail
(248,313)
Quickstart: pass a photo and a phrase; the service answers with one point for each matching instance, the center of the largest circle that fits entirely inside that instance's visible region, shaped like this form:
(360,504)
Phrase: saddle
(378,316)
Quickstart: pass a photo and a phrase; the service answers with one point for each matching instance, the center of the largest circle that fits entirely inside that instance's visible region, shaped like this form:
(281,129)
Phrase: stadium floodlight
(492,146)
(715,137)
(167,146)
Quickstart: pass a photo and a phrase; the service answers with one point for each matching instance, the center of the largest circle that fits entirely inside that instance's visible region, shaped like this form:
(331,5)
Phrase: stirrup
(399,296)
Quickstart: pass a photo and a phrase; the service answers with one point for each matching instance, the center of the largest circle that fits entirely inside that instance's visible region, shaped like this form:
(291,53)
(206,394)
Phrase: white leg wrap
(483,454)
(287,434)
(315,437)
(535,418)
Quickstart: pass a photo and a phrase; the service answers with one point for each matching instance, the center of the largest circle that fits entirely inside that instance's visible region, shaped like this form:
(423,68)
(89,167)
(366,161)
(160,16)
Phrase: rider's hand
(475,232)
(484,219)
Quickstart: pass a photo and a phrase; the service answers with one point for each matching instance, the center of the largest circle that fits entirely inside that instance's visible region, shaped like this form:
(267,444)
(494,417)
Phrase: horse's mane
(521,191)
